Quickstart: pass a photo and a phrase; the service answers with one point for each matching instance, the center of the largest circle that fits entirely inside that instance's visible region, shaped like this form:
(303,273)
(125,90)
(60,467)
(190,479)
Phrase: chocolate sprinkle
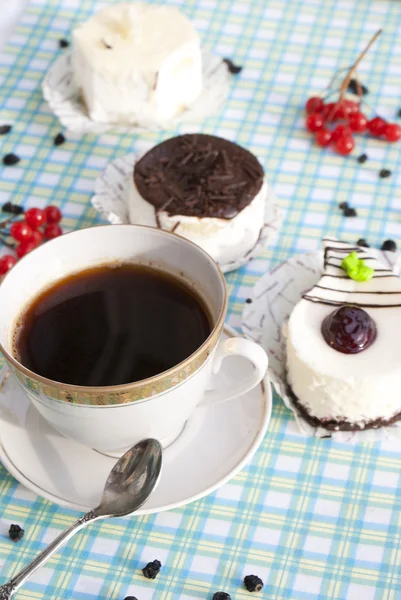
(362,158)
(384,173)
(350,212)
(59,139)
(199,175)
(343,205)
(353,87)
(5,129)
(63,43)
(232,67)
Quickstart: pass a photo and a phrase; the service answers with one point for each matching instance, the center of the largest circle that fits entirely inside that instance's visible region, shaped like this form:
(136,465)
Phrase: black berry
(10,159)
(130,598)
(13,209)
(5,129)
(249,300)
(355,87)
(233,68)
(350,212)
(343,205)
(384,173)
(221,596)
(389,245)
(253,583)
(349,329)
(16,533)
(363,158)
(59,139)
(152,569)
(363,243)
(63,43)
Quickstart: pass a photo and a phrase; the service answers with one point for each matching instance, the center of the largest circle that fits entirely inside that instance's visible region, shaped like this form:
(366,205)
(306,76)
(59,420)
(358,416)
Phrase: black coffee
(111,325)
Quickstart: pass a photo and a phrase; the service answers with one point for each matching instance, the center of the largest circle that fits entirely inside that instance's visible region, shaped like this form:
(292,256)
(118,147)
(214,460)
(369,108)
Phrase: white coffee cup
(111,419)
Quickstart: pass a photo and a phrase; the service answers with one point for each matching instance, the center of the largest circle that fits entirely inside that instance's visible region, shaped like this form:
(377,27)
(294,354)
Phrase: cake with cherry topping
(343,349)
(204,188)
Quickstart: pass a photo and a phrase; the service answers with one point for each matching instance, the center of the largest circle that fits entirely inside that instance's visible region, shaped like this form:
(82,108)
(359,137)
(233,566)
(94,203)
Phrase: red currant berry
(53,214)
(345,145)
(314,105)
(6,263)
(328,111)
(25,247)
(351,107)
(340,131)
(358,122)
(35,217)
(52,231)
(392,132)
(377,126)
(323,137)
(37,237)
(21,231)
(314,122)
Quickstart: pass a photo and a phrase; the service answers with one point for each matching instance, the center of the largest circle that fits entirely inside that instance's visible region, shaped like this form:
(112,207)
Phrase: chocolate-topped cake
(204,188)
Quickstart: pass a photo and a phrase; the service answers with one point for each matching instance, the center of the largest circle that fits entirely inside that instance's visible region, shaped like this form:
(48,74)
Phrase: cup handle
(237,347)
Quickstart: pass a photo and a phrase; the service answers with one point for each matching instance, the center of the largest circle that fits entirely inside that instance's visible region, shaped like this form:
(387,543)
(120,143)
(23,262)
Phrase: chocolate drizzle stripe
(318,300)
(329,264)
(353,292)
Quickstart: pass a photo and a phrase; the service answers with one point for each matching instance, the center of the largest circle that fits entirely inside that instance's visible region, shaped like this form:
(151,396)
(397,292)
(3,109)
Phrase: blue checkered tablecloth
(314,518)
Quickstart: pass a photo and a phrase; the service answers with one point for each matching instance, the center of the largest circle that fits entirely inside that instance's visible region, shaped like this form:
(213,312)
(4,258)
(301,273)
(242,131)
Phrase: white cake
(333,388)
(135,62)
(226,238)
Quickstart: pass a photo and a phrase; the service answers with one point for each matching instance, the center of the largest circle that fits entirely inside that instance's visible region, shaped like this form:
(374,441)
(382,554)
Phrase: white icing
(224,239)
(152,67)
(331,385)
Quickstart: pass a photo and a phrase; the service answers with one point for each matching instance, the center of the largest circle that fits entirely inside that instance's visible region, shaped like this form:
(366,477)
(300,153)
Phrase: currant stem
(348,77)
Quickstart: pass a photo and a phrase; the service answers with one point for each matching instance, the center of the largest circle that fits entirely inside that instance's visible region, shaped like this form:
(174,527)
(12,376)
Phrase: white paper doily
(62,95)
(110,200)
(263,320)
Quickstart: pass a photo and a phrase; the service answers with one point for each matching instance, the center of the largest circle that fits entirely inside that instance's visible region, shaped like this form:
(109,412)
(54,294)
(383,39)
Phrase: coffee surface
(111,325)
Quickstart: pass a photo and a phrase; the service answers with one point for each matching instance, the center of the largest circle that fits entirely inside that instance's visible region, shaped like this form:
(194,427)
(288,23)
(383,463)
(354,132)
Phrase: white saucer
(110,201)
(215,444)
(62,95)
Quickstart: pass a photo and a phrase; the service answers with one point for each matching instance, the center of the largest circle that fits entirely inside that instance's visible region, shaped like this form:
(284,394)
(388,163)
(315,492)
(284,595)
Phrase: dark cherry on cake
(197,175)
(349,329)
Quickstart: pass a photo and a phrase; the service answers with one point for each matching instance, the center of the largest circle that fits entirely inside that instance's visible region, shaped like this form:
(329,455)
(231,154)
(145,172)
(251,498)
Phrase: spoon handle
(9,589)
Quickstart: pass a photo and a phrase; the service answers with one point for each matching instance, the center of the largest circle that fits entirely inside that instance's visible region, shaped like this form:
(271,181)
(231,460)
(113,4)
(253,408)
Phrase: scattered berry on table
(362,243)
(25,247)
(4,129)
(384,173)
(253,583)
(343,205)
(53,231)
(16,533)
(232,67)
(314,105)
(392,133)
(249,300)
(314,122)
(13,209)
(152,569)
(377,126)
(10,159)
(7,261)
(63,43)
(35,217)
(350,212)
(21,231)
(389,246)
(323,137)
(53,214)
(362,158)
(59,139)
(221,596)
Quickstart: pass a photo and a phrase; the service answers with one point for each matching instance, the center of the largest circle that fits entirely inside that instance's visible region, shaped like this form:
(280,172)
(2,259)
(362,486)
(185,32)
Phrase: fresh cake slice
(343,349)
(204,188)
(134,62)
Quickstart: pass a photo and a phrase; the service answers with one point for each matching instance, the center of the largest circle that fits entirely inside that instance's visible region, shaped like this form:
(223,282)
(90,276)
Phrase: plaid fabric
(313,518)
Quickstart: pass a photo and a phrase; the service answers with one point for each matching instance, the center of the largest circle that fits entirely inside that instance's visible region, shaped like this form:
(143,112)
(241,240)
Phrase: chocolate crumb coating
(199,175)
